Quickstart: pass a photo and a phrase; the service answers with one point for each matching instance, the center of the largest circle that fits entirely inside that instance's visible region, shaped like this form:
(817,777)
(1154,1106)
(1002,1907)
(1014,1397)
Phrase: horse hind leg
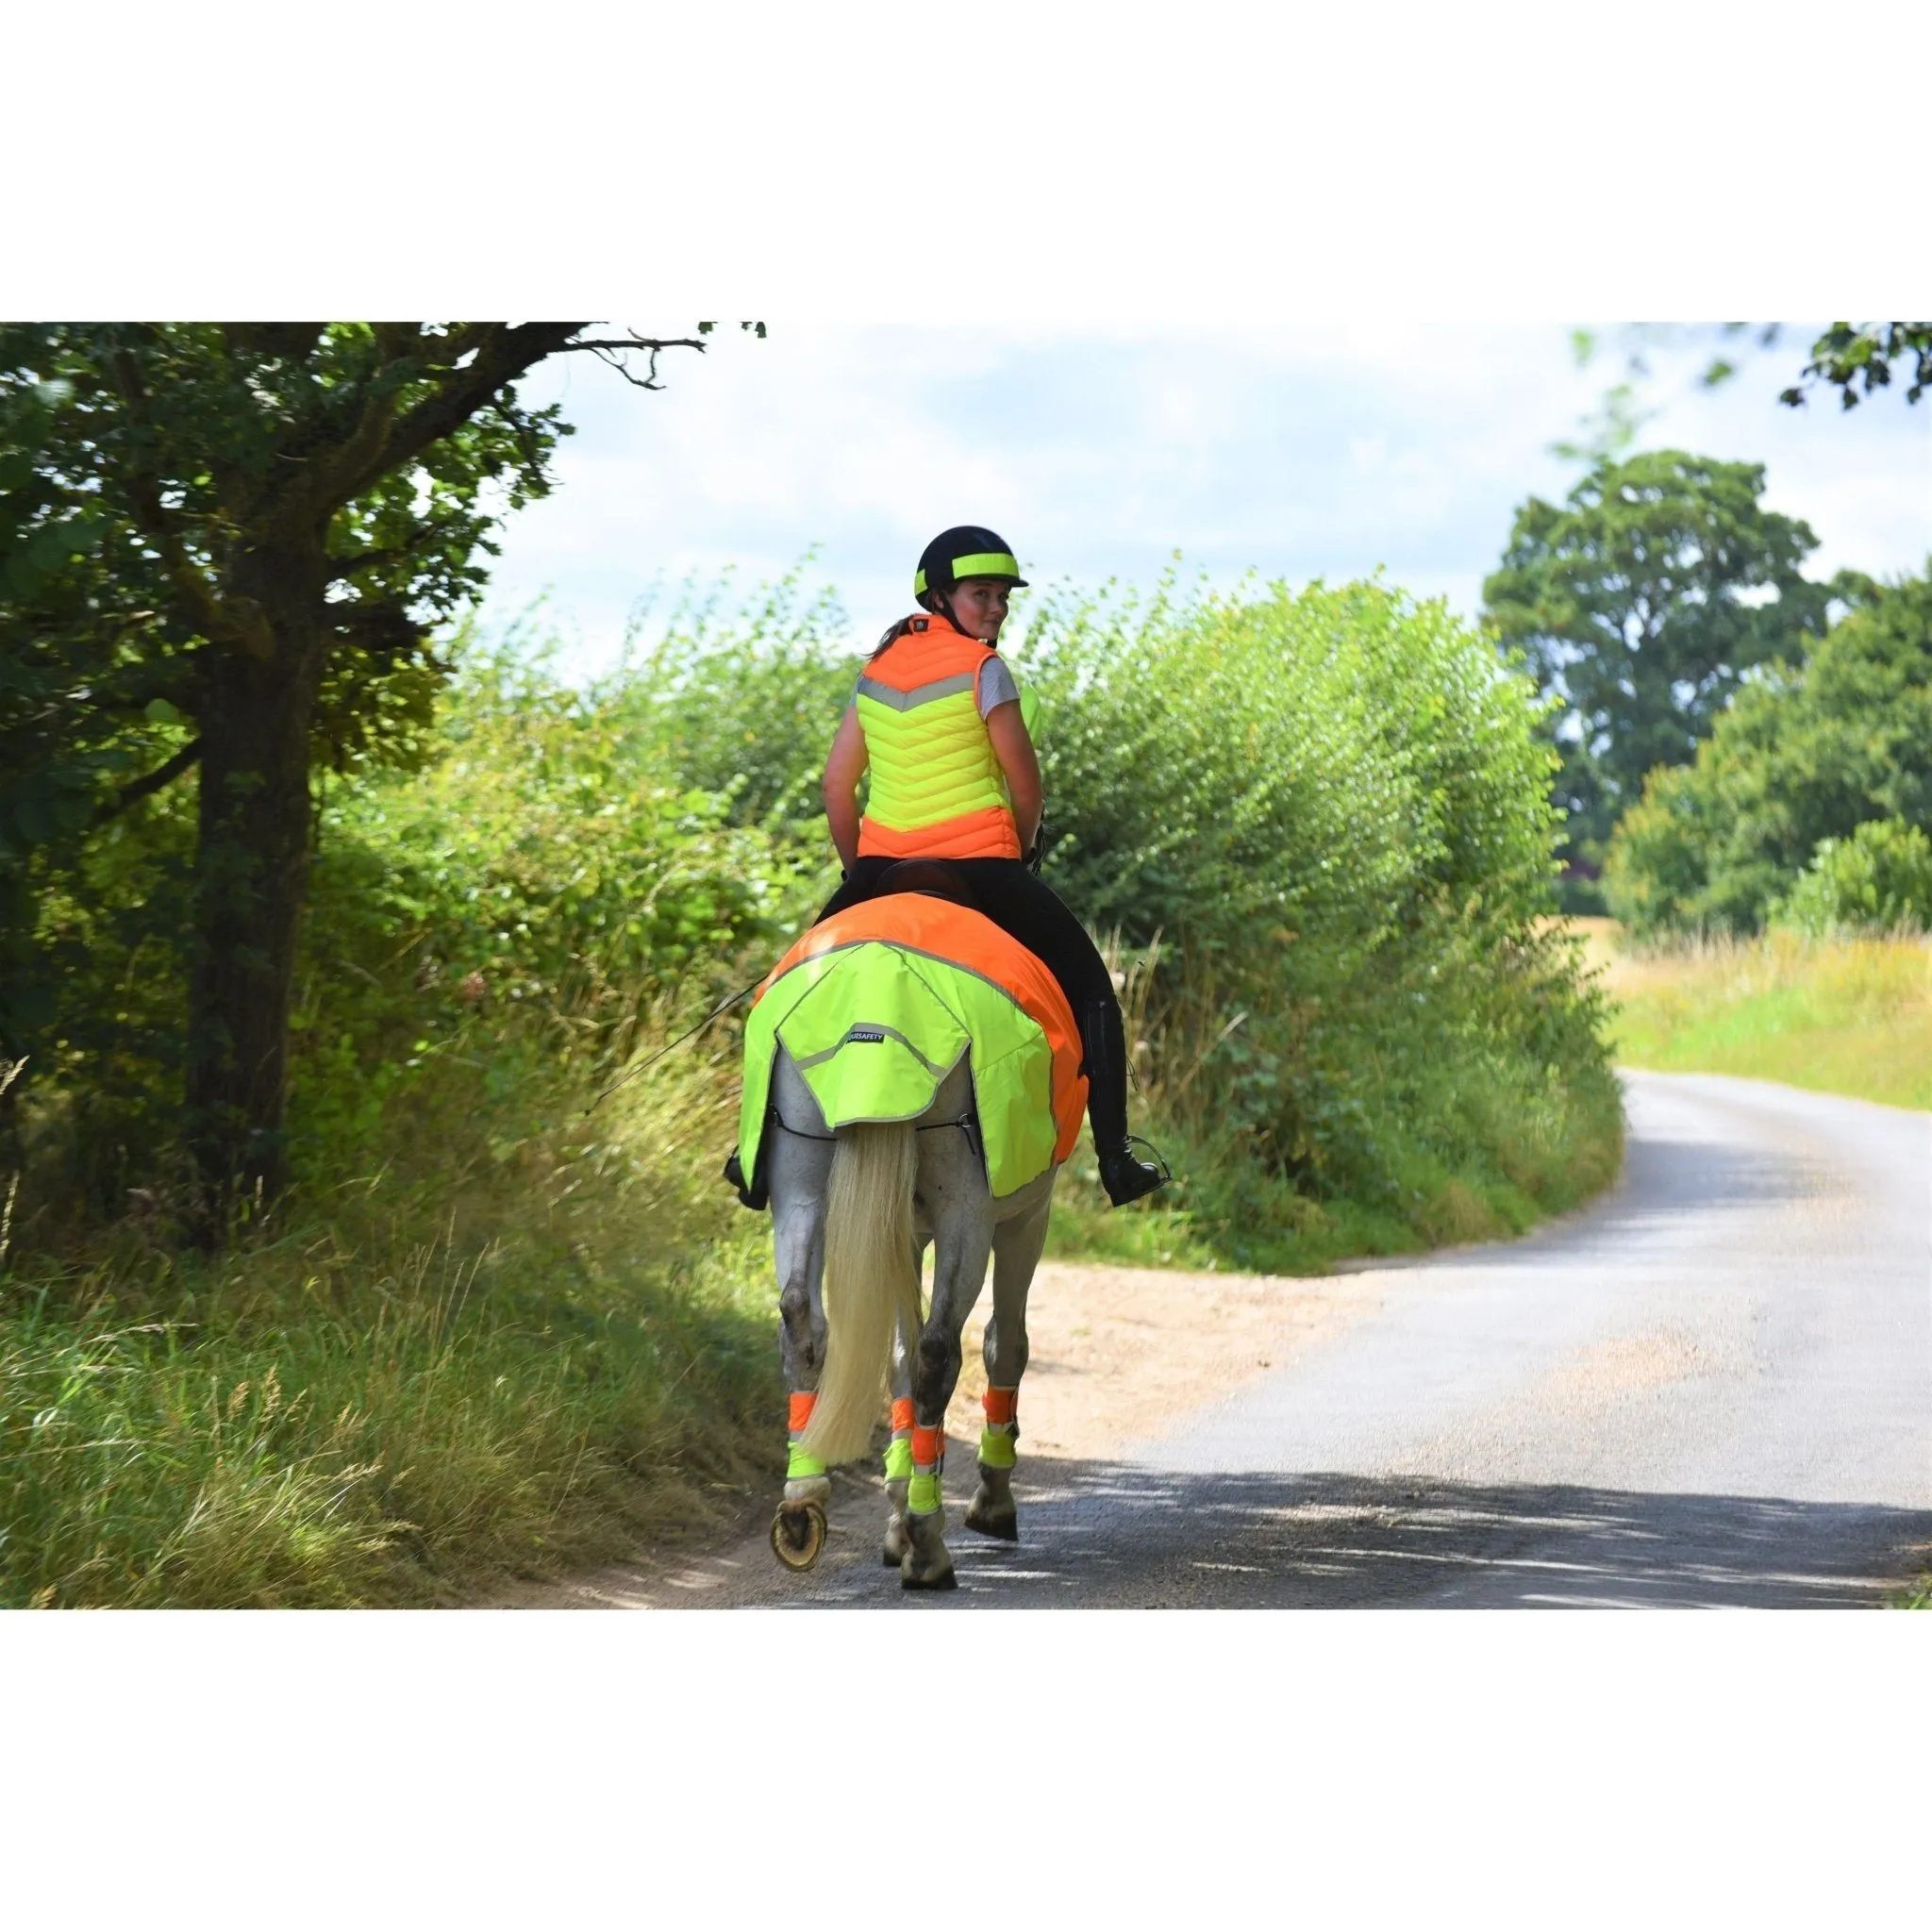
(928,1565)
(925,1563)
(799,1169)
(800,1527)
(1016,1251)
(956,1192)
(899,1455)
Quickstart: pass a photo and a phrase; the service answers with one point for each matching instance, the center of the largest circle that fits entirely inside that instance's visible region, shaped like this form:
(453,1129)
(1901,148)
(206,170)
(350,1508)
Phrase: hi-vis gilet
(880,1002)
(936,788)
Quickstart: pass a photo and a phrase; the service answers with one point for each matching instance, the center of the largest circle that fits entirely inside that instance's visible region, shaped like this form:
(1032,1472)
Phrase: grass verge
(1479,1145)
(520,1356)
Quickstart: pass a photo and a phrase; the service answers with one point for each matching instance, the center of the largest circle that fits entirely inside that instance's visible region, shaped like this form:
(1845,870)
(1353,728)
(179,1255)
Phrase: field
(1836,1015)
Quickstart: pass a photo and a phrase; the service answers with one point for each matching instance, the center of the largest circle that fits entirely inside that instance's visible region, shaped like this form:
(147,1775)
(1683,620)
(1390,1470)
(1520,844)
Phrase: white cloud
(1304,451)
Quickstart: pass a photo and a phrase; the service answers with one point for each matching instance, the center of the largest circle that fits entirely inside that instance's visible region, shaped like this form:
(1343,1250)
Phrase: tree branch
(636,342)
(342,568)
(319,489)
(294,339)
(390,556)
(230,621)
(381,627)
(610,353)
(162,775)
(503,353)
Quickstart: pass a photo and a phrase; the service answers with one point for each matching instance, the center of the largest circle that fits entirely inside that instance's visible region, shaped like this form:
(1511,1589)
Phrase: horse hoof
(946,1579)
(798,1534)
(1002,1523)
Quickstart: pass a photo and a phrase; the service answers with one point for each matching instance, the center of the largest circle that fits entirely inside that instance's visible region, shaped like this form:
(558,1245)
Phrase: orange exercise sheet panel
(968,939)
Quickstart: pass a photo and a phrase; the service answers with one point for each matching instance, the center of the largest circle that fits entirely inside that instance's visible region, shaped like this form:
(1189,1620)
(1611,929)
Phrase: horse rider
(937,717)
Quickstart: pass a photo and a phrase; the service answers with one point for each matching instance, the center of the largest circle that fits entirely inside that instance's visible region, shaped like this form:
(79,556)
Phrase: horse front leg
(962,1241)
(1017,1245)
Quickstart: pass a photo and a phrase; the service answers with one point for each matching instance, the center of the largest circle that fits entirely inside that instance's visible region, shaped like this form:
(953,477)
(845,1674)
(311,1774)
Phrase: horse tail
(871,1281)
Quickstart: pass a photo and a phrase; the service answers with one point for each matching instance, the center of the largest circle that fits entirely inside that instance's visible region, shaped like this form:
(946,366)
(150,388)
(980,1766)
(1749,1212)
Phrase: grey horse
(852,1214)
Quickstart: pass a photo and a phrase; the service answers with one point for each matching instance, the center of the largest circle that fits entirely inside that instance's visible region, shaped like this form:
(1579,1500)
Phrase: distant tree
(1639,603)
(1806,754)
(1876,880)
(224,550)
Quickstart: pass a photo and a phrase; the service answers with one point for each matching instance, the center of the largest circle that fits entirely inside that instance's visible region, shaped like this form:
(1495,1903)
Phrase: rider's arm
(844,767)
(1013,746)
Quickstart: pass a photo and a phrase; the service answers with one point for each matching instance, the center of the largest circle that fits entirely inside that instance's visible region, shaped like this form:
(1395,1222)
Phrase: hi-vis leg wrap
(928,1459)
(800,1464)
(899,1450)
(1002,1428)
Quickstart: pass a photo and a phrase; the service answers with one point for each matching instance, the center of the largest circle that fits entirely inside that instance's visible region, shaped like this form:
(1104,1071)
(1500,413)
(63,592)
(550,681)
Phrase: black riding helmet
(966,550)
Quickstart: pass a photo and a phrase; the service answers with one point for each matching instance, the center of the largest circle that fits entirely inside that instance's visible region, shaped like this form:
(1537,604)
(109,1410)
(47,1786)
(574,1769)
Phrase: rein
(724,1007)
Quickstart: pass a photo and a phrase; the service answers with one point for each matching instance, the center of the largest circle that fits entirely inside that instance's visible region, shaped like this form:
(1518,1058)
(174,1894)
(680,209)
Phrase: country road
(1714,1386)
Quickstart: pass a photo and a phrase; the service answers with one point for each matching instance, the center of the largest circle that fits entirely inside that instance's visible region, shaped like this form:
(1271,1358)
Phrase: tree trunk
(251,866)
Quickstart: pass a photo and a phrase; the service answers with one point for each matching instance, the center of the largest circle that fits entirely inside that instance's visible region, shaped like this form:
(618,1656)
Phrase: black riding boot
(755,1194)
(1125,1177)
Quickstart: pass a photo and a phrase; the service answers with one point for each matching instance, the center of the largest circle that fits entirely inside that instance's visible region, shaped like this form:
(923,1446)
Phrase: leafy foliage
(59,758)
(1329,810)
(1878,879)
(1847,354)
(1639,603)
(228,547)
(1802,755)
(170,447)
(1847,357)
(743,703)
(549,864)
(545,862)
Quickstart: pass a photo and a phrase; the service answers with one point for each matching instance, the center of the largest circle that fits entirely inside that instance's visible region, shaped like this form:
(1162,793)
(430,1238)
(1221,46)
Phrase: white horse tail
(871,1281)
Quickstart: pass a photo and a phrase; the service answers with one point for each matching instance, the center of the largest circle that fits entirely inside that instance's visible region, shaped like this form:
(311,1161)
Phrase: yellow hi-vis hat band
(982,563)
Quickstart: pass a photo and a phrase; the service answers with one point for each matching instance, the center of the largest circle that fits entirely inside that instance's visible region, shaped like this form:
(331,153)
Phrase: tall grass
(485,1330)
(475,1359)
(1848,1014)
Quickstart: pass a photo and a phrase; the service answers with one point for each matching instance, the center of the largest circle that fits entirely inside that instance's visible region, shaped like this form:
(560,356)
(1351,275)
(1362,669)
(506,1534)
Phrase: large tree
(1807,752)
(1639,603)
(226,549)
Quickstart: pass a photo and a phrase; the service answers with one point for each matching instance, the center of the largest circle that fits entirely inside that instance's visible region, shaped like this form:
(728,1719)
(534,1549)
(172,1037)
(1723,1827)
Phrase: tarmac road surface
(1713,1387)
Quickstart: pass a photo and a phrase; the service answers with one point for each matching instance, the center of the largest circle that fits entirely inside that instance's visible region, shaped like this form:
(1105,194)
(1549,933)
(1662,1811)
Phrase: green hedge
(1331,809)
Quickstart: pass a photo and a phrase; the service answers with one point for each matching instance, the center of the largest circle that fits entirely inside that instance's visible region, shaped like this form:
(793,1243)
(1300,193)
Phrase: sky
(1296,450)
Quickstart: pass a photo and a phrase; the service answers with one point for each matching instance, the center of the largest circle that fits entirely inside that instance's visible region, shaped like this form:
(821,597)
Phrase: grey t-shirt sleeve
(997,686)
